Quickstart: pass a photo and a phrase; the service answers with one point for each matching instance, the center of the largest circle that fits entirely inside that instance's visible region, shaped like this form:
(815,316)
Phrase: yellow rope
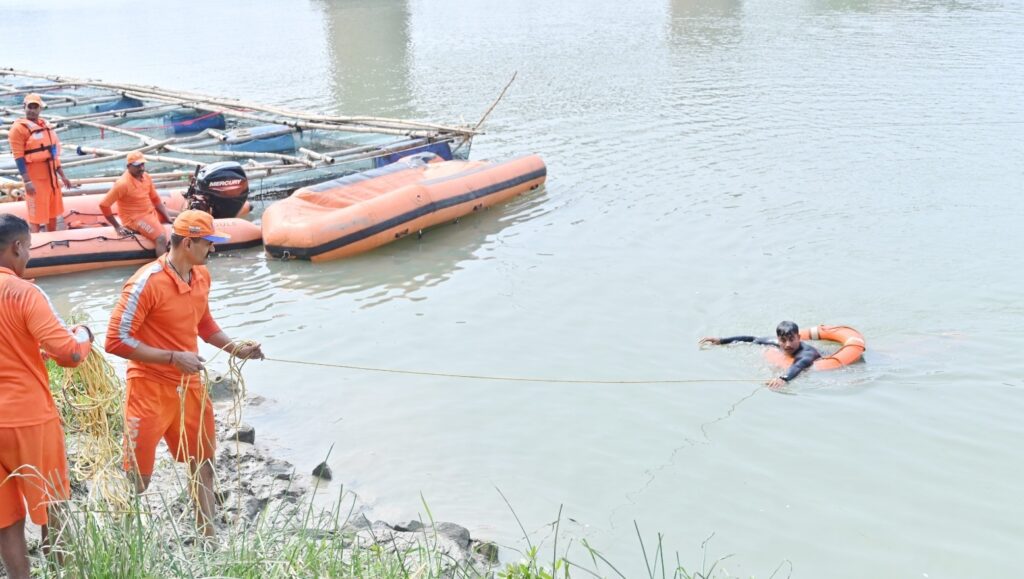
(508,378)
(91,400)
(234,377)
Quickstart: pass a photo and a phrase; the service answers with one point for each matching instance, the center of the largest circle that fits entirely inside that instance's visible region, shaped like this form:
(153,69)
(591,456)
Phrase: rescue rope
(68,242)
(234,376)
(91,401)
(510,378)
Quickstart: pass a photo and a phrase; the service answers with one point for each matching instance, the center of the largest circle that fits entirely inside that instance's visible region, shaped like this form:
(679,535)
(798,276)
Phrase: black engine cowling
(220,189)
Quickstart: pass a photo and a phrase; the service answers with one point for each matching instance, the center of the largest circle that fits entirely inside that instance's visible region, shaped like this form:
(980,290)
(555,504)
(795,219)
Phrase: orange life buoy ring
(852,348)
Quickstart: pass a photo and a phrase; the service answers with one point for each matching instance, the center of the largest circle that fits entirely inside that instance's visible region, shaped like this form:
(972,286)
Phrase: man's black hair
(176,239)
(12,228)
(787,329)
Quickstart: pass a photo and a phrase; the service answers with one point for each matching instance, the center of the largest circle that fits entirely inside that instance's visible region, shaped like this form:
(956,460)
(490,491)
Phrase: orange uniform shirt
(28,322)
(135,198)
(159,309)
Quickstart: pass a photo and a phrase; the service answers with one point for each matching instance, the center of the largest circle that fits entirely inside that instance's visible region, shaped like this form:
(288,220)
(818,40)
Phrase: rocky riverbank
(256,490)
(252,483)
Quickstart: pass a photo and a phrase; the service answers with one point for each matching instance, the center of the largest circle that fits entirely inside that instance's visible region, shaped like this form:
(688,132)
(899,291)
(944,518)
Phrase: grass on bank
(146,543)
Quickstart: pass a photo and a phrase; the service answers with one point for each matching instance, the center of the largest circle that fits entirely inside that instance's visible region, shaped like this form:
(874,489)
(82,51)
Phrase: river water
(714,167)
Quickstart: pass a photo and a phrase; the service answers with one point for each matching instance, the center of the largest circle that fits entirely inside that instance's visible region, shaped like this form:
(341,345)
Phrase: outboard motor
(219,189)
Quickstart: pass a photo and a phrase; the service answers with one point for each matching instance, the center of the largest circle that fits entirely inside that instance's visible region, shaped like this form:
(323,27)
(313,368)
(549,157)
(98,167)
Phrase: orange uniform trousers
(147,225)
(48,201)
(182,417)
(33,470)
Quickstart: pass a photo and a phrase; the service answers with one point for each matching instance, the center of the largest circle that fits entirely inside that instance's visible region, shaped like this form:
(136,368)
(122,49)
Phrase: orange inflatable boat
(84,210)
(852,348)
(72,250)
(359,212)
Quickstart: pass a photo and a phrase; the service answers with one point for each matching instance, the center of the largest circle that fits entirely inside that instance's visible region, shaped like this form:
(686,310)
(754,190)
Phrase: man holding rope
(36,150)
(33,461)
(138,204)
(162,311)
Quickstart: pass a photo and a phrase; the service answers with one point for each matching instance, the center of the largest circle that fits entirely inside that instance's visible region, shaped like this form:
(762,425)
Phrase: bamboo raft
(99,123)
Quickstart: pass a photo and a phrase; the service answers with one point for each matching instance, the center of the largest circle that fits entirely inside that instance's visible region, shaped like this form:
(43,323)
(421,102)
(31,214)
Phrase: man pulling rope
(162,311)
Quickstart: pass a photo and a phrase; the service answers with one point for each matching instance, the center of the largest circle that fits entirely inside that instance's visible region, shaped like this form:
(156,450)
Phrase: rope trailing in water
(506,378)
(91,402)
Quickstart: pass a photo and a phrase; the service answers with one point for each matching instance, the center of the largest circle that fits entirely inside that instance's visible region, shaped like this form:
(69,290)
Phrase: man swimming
(788,341)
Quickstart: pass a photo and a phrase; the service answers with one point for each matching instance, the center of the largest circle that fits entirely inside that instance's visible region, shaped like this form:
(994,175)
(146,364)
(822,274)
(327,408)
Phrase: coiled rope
(91,402)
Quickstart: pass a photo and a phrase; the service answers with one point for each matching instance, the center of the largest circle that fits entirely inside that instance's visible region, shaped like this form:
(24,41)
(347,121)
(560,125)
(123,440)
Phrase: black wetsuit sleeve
(754,339)
(804,358)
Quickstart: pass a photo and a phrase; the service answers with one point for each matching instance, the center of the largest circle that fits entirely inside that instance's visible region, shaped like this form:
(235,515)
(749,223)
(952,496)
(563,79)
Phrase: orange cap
(136,158)
(34,98)
(194,223)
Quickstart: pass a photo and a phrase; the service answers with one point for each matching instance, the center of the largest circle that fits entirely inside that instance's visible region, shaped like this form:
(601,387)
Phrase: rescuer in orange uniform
(36,151)
(162,311)
(33,462)
(138,204)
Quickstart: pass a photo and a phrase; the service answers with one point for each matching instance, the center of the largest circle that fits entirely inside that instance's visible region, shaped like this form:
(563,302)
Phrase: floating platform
(99,123)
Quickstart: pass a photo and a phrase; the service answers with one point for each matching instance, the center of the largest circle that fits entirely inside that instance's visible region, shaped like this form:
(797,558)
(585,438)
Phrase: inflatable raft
(72,250)
(360,212)
(84,210)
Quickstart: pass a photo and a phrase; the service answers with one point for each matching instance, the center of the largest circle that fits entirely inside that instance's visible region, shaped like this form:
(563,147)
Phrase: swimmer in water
(788,341)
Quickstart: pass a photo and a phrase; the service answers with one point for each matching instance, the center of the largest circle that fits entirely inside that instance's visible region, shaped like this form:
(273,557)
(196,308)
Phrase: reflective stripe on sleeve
(124,330)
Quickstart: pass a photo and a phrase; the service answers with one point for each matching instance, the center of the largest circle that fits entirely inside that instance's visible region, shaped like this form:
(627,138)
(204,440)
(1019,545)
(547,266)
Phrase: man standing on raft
(788,341)
(163,310)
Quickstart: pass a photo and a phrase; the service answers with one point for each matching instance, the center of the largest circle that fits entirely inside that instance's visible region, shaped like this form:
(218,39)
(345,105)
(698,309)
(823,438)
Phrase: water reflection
(368,45)
(402,269)
(706,22)
(881,6)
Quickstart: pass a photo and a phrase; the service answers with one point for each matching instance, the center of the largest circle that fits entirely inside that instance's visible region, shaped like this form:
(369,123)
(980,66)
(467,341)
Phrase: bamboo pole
(236,104)
(159,179)
(374,153)
(487,113)
(69,101)
(153,91)
(106,155)
(112,128)
(15,91)
(302,124)
(141,136)
(125,113)
(416,133)
(168,146)
(392,147)
(318,156)
(8,185)
(239,154)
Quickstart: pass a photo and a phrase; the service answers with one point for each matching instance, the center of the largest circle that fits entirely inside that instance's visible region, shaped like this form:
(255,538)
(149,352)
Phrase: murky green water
(714,166)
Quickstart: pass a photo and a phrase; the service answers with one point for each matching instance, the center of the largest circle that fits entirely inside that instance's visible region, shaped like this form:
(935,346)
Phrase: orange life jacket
(40,145)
